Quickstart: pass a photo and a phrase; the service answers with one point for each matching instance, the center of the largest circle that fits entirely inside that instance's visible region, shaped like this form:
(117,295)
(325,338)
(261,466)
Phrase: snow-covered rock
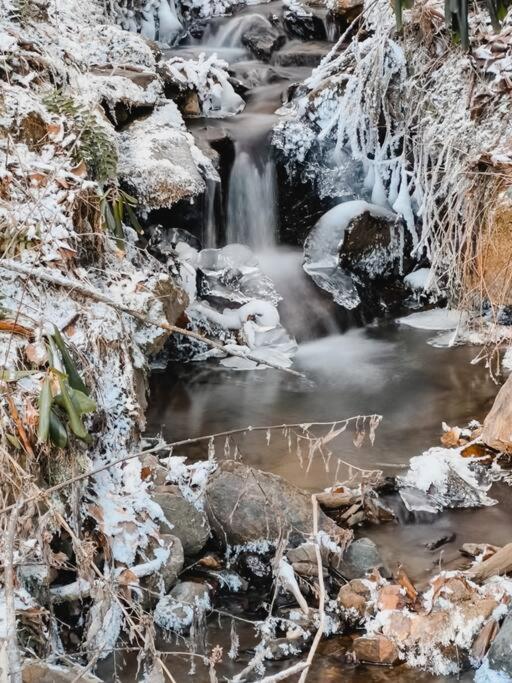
(352,243)
(207,76)
(442,477)
(159,161)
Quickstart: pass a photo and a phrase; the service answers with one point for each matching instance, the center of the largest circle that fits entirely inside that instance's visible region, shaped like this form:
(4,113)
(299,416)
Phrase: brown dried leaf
(210,561)
(406,583)
(55,131)
(80,170)
(128,578)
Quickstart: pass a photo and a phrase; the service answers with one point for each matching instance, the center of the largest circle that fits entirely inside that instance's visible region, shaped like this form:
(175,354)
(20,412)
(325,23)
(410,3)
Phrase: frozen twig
(162,445)
(13,654)
(44,275)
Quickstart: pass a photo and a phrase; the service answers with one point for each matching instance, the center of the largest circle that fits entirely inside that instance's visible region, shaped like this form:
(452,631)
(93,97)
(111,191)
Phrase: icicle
(369,179)
(235,642)
(403,207)
(169,24)
(227,448)
(378,191)
(211,448)
(268,437)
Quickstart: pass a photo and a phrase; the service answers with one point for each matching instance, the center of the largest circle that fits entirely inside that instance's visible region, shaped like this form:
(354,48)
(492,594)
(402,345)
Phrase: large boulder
(245,504)
(159,162)
(263,41)
(189,524)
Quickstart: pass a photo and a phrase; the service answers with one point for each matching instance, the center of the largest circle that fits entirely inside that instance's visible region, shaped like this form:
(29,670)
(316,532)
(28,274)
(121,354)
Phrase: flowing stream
(384,368)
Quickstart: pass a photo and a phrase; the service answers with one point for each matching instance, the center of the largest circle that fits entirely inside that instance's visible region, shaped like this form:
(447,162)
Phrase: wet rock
(189,524)
(263,41)
(187,601)
(191,106)
(354,252)
(43,672)
(376,650)
(354,595)
(306,26)
(360,558)
(499,658)
(391,597)
(245,504)
(302,54)
(257,569)
(442,540)
(367,245)
(398,627)
(161,582)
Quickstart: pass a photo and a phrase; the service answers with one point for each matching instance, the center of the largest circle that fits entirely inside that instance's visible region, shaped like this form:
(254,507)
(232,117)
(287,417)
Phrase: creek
(382,368)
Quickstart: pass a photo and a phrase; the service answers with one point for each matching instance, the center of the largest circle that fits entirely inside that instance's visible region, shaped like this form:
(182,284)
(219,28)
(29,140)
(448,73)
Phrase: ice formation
(442,477)
(435,319)
(251,322)
(323,244)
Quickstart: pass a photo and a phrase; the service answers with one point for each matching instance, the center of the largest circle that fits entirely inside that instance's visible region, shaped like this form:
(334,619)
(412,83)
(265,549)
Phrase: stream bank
(114,194)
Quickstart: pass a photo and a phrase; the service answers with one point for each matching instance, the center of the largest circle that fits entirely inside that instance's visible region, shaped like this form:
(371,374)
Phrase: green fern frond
(94,147)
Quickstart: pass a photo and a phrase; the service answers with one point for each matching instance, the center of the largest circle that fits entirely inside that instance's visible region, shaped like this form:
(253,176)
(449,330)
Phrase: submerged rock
(296,53)
(187,601)
(376,649)
(360,558)
(245,504)
(44,672)
(189,524)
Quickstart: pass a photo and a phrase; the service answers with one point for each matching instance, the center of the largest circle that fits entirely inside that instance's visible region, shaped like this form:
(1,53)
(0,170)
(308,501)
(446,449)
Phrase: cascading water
(230,35)
(252,201)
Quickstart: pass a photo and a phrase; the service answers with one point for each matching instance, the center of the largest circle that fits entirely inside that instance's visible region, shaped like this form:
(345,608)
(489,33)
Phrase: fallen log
(497,430)
(499,563)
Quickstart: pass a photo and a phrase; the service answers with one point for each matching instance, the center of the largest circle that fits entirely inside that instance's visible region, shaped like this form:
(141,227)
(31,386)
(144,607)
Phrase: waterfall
(210,224)
(252,200)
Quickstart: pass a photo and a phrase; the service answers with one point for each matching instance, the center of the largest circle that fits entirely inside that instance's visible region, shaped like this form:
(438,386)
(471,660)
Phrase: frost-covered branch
(82,290)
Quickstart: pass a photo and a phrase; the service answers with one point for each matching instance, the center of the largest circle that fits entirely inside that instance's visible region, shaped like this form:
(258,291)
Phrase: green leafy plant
(62,413)
(456,14)
(94,146)
(117,207)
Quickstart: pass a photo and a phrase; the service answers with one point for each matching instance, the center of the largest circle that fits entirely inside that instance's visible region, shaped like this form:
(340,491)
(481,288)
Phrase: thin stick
(13,654)
(321,589)
(286,673)
(162,445)
(75,285)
